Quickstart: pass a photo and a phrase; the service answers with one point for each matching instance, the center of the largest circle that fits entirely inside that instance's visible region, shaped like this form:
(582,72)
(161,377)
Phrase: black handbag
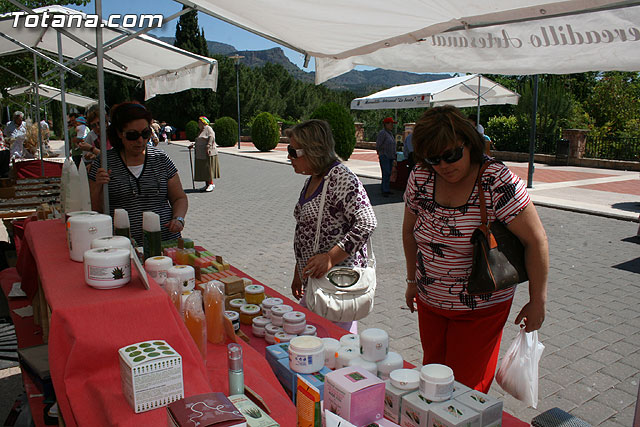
(498,255)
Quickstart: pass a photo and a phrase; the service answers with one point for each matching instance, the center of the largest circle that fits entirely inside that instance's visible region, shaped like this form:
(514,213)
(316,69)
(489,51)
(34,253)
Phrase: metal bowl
(343,277)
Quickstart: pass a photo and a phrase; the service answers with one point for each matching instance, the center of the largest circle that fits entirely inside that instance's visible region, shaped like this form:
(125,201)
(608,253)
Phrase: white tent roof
(54,93)
(163,67)
(497,36)
(458,91)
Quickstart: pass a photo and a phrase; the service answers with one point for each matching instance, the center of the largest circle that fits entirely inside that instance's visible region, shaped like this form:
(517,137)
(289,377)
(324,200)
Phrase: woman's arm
(179,203)
(410,253)
(528,228)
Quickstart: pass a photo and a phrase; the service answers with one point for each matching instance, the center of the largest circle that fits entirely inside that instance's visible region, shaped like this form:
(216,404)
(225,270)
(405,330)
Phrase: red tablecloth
(32,169)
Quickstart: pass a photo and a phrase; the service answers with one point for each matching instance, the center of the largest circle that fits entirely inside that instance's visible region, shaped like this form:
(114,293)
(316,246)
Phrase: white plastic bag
(518,372)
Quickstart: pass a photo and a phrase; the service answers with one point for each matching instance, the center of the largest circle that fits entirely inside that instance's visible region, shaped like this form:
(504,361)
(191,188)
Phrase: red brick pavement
(631,186)
(547,175)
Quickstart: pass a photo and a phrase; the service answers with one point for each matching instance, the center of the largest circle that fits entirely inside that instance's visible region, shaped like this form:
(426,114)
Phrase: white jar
(156,266)
(277,311)
(306,354)
(374,344)
(234,317)
(331,347)
(436,382)
(344,355)
(268,303)
(350,340)
(390,363)
(270,331)
(107,268)
(258,325)
(83,229)
(405,379)
(111,242)
(309,330)
(294,322)
(364,364)
(283,337)
(236,303)
(185,274)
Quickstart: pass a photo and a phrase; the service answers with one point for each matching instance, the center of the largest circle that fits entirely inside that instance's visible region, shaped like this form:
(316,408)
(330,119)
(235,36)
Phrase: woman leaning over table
(140,177)
(347,218)
(442,211)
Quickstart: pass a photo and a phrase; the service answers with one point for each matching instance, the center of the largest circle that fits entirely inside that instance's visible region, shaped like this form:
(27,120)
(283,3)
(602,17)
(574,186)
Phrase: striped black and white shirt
(148,192)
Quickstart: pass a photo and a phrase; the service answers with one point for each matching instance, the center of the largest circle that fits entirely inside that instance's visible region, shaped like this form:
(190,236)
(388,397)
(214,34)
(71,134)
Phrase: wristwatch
(179,218)
(410,282)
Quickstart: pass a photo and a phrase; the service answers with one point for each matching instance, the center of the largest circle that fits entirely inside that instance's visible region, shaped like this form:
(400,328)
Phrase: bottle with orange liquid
(195,321)
(214,310)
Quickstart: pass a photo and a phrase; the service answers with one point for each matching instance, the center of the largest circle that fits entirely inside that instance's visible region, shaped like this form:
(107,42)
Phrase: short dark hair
(122,114)
(440,128)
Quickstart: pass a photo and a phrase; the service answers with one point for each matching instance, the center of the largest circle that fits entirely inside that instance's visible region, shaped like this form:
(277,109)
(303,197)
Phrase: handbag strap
(316,243)
(485,226)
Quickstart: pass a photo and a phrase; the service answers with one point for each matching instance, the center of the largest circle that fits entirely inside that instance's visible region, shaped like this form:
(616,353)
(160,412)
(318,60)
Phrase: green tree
(615,102)
(264,132)
(341,122)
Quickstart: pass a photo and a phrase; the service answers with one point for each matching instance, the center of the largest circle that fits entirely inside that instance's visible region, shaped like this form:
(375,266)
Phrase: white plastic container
(277,311)
(294,322)
(306,354)
(236,304)
(270,331)
(84,228)
(185,274)
(364,364)
(390,363)
(235,319)
(111,242)
(344,355)
(283,337)
(331,347)
(157,266)
(350,340)
(374,344)
(257,327)
(107,268)
(310,330)
(405,379)
(436,382)
(268,303)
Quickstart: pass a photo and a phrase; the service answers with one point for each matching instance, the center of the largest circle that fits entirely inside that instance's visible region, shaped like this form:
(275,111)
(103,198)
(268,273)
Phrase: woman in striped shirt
(140,177)
(442,211)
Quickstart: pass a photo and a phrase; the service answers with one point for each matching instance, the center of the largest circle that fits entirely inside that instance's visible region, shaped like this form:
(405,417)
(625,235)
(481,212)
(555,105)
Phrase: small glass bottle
(236,373)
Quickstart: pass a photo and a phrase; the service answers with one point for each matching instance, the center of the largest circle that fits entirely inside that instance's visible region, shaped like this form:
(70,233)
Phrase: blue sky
(214,29)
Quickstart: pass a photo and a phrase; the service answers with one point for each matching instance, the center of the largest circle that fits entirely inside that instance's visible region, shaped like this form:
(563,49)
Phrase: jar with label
(277,311)
(436,382)
(294,322)
(309,330)
(306,354)
(254,294)
(344,355)
(268,303)
(350,340)
(235,304)
(258,325)
(248,312)
(374,344)
(283,337)
(234,317)
(392,362)
(270,331)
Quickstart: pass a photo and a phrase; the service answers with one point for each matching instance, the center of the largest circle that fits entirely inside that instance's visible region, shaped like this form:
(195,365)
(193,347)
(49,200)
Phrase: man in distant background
(15,133)
(386,148)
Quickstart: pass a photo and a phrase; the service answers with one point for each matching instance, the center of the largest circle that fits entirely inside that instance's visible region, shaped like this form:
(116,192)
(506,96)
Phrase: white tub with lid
(236,303)
(310,330)
(268,303)
(270,331)
(277,311)
(374,344)
(258,325)
(344,355)
(283,337)
(390,363)
(364,364)
(436,382)
(235,319)
(294,322)
(331,347)
(306,354)
(350,340)
(405,379)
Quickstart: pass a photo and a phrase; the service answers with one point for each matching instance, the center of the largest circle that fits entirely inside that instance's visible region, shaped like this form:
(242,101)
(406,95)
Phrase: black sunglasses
(294,153)
(133,135)
(449,156)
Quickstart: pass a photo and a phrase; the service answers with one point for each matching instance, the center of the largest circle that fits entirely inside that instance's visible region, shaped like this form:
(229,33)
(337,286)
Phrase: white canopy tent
(499,36)
(55,94)
(465,91)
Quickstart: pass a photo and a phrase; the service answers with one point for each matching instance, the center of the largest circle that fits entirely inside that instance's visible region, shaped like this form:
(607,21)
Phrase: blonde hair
(316,139)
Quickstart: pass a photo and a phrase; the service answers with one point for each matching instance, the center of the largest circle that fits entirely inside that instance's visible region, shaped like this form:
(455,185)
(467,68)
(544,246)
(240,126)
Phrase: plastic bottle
(195,321)
(121,223)
(151,234)
(174,288)
(214,310)
(236,372)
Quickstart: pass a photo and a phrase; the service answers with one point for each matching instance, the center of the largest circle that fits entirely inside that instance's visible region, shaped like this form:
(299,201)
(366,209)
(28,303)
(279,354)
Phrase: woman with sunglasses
(140,177)
(442,210)
(347,218)
(206,163)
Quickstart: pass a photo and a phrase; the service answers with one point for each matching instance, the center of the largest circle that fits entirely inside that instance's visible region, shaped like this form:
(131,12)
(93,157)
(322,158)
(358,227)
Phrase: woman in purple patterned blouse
(348,218)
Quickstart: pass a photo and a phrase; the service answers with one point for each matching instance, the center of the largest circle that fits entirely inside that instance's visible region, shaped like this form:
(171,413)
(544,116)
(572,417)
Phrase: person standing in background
(386,148)
(15,133)
(206,164)
(407,150)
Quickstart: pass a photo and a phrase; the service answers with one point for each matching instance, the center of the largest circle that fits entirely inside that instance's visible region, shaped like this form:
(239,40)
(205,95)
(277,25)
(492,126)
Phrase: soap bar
(233,285)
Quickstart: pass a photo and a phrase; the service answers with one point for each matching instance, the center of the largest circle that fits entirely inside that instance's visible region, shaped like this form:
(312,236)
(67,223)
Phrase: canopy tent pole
(43,56)
(532,135)
(35,75)
(101,103)
(478,112)
(65,127)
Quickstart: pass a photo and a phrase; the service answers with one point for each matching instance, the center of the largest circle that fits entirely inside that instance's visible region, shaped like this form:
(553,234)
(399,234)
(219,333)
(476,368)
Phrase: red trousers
(467,341)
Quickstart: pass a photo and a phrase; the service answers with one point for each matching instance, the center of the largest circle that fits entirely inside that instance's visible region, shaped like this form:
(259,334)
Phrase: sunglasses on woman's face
(133,135)
(294,153)
(449,156)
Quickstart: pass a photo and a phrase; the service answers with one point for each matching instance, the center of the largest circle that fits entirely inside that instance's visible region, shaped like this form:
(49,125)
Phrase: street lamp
(237,59)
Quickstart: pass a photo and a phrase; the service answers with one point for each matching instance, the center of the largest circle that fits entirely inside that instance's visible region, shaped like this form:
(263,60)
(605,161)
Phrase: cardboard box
(453,414)
(415,410)
(393,401)
(355,394)
(287,377)
(383,422)
(255,416)
(317,379)
(308,406)
(151,374)
(459,389)
(205,410)
(489,408)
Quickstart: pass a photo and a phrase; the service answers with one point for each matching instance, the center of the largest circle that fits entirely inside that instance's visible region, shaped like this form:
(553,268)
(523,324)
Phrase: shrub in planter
(264,132)
(341,122)
(192,130)
(226,130)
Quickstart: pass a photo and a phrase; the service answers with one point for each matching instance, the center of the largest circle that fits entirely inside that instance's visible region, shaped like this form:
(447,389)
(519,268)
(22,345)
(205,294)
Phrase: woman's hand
(317,266)
(410,296)
(85,146)
(102,176)
(174,226)
(532,314)
(296,286)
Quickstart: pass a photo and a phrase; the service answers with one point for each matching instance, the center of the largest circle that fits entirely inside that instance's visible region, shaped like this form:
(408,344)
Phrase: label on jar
(108,274)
